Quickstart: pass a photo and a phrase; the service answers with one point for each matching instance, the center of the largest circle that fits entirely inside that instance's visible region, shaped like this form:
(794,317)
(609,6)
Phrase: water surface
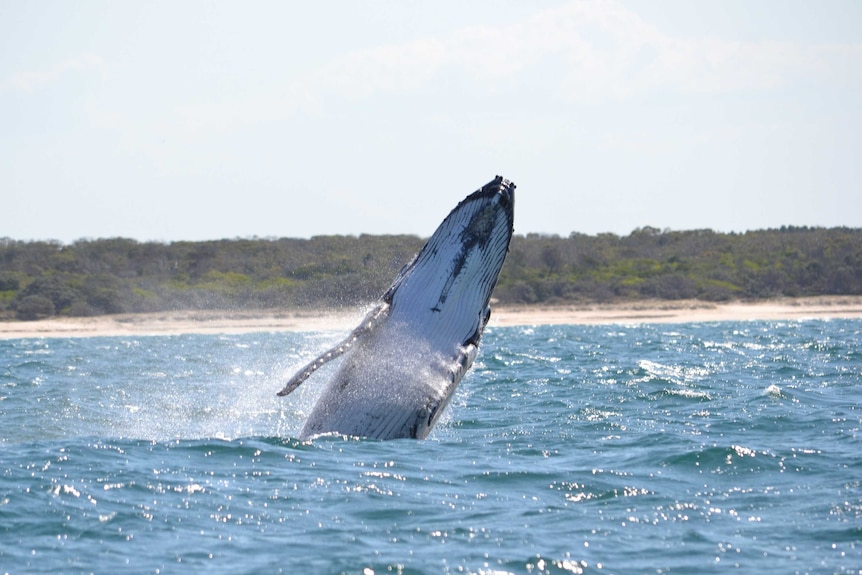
(688,448)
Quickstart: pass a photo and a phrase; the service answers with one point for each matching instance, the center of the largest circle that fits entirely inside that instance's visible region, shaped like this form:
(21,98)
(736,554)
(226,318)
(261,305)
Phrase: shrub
(34,307)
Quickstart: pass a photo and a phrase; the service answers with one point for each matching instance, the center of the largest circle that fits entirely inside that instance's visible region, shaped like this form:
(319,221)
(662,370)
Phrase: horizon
(165,122)
(5,240)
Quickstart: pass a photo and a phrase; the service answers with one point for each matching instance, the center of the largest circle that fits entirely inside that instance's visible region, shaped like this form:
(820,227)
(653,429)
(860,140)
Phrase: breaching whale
(402,364)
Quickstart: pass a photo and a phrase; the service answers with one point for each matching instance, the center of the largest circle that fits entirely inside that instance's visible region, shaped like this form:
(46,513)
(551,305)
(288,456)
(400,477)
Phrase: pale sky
(202,120)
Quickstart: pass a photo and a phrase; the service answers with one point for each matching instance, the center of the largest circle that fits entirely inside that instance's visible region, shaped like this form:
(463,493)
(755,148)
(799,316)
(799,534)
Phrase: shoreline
(250,321)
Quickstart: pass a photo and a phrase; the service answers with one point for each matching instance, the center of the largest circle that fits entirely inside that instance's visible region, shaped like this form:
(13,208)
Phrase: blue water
(689,448)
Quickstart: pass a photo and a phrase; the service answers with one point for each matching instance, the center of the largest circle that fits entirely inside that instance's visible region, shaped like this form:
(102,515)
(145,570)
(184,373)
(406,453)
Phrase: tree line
(90,277)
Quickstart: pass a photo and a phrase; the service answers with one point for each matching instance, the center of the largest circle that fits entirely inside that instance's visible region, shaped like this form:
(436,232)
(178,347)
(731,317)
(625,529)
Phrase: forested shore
(41,279)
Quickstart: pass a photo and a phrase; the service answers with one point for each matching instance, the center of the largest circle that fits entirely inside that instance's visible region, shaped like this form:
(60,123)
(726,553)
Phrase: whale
(401,365)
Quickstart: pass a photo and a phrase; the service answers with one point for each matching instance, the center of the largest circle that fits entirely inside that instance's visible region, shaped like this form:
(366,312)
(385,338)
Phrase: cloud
(583,52)
(85,62)
(598,50)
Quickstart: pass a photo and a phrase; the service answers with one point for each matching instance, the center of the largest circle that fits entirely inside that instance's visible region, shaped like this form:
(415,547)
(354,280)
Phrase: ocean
(684,448)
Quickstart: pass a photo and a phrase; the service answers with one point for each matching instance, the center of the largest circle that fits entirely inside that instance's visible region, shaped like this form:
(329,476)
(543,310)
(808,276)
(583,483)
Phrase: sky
(203,120)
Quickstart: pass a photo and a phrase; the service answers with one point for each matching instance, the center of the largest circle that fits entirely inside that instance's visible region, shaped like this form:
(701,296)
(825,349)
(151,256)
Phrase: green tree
(52,287)
(34,307)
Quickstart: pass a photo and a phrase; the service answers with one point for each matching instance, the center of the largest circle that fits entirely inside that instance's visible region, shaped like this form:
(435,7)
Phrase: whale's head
(443,294)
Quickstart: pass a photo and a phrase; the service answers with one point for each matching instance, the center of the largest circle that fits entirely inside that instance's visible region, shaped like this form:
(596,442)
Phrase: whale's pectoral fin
(468,350)
(431,411)
(476,337)
(466,356)
(309,369)
(368,325)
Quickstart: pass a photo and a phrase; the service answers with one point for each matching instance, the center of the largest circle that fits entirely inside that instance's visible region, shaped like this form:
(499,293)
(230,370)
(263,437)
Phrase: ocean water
(687,448)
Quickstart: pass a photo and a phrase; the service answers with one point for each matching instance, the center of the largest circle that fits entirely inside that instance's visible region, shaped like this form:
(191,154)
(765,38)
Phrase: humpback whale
(401,365)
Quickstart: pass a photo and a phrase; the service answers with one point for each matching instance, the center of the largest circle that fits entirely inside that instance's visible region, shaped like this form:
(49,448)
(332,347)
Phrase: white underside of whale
(392,384)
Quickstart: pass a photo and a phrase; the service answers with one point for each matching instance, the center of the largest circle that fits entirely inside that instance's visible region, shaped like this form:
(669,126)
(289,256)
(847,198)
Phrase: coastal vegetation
(103,276)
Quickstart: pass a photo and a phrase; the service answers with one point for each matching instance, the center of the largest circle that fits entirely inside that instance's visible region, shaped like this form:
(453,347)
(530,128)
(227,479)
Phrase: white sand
(328,320)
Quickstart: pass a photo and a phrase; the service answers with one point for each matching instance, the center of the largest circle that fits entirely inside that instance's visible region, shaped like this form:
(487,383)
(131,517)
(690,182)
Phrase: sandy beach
(328,320)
